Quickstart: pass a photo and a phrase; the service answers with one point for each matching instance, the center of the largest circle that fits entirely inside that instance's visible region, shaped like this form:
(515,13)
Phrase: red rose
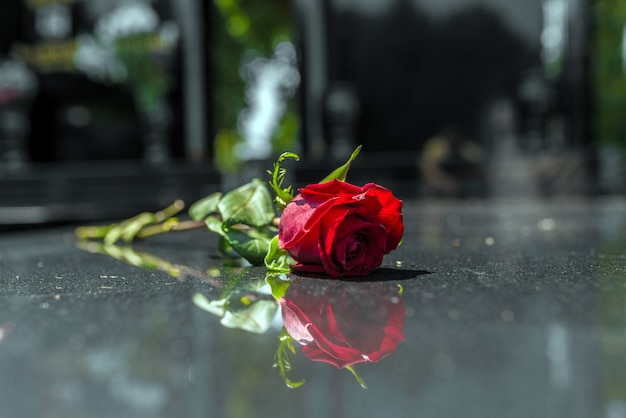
(341,229)
(343,323)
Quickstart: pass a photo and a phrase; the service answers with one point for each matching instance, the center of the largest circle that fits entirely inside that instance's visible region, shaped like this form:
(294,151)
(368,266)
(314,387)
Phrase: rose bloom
(340,229)
(343,323)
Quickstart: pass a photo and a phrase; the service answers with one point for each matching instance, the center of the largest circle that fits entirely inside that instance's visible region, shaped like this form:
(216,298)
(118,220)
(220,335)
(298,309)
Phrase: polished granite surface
(490,308)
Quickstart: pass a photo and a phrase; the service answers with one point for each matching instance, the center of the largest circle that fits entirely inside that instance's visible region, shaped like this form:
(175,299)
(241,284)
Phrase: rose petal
(320,193)
(295,320)
(340,235)
(390,215)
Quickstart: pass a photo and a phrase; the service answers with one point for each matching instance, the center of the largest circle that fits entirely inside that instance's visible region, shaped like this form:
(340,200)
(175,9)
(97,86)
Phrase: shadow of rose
(382,274)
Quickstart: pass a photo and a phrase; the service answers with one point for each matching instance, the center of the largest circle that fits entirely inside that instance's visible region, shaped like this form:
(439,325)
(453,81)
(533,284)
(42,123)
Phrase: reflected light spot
(490,241)
(557,351)
(546,224)
(507,315)
(5,328)
(78,116)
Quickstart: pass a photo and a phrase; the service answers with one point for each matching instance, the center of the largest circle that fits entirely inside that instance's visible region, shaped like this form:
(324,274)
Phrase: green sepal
(277,284)
(341,173)
(205,206)
(283,195)
(358,378)
(277,259)
(250,204)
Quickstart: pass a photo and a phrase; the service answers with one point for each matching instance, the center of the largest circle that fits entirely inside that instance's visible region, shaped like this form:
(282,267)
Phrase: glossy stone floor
(488,309)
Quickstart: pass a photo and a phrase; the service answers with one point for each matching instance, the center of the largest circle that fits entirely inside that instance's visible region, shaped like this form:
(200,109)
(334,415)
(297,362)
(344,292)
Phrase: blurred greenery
(609,72)
(242,30)
(147,77)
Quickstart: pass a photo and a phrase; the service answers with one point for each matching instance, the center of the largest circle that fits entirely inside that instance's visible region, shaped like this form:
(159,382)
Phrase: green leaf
(251,244)
(253,317)
(214,224)
(205,207)
(358,378)
(276,258)
(226,250)
(250,204)
(341,173)
(283,195)
(277,284)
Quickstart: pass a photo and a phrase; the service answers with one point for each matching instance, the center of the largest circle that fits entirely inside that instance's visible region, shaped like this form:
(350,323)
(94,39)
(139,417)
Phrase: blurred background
(112,107)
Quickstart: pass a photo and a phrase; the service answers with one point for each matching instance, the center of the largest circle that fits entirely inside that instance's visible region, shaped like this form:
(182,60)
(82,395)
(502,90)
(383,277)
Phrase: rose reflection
(343,323)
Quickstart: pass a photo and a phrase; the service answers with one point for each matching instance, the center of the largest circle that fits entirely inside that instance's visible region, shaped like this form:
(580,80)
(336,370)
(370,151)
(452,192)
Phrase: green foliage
(139,226)
(283,195)
(252,244)
(277,284)
(225,160)
(127,230)
(287,129)
(250,204)
(282,359)
(132,256)
(358,378)
(240,29)
(240,305)
(149,82)
(341,173)
(205,207)
(242,217)
(608,72)
(277,259)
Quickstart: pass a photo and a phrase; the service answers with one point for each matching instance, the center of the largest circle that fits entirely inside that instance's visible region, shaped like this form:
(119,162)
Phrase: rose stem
(167,226)
(91,232)
(170,211)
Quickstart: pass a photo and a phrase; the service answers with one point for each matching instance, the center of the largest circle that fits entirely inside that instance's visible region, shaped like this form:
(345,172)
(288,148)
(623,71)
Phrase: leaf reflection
(342,323)
(248,307)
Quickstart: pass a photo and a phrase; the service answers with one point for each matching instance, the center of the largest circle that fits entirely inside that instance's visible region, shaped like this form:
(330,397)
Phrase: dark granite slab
(509,309)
